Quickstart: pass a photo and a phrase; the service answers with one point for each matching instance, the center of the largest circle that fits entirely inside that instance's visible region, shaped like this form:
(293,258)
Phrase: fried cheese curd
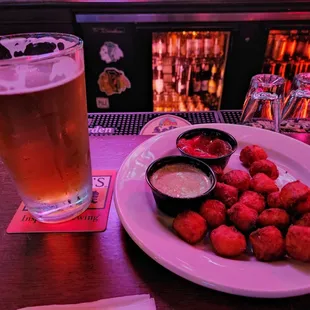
(253,200)
(297,243)
(190,226)
(243,217)
(274,200)
(303,206)
(268,244)
(214,212)
(238,179)
(227,241)
(227,194)
(262,184)
(264,166)
(274,217)
(252,153)
(292,193)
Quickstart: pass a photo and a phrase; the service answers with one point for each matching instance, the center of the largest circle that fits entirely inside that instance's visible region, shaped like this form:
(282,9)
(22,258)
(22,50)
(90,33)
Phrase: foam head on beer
(42,72)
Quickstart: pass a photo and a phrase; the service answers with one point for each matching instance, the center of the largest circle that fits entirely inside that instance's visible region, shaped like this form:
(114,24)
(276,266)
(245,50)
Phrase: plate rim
(192,278)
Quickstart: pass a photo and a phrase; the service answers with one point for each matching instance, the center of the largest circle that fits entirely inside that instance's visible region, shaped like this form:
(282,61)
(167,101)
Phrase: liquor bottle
(281,71)
(198,45)
(169,44)
(214,72)
(205,77)
(269,47)
(219,90)
(189,44)
(178,45)
(290,46)
(208,46)
(217,48)
(161,45)
(301,43)
(172,44)
(212,86)
(222,72)
(175,70)
(197,81)
(192,79)
(158,79)
(272,67)
(302,66)
(279,48)
(222,40)
(183,44)
(306,54)
(181,81)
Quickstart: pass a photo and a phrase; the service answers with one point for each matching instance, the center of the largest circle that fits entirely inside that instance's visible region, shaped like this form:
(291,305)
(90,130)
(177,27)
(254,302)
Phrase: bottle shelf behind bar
(188,70)
(287,54)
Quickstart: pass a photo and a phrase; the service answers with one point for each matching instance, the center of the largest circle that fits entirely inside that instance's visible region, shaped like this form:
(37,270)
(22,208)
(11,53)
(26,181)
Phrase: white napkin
(135,302)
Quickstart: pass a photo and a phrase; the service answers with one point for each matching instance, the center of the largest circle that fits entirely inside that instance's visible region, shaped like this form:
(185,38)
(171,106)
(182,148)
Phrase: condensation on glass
(43,123)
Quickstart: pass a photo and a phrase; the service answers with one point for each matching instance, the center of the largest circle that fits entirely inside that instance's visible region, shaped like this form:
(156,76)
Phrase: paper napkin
(135,302)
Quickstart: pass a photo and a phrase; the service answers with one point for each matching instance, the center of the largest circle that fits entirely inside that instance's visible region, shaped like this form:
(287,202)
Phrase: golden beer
(43,135)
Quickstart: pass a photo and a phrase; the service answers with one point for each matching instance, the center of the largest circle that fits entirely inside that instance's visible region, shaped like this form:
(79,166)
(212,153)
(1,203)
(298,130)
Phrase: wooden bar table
(62,268)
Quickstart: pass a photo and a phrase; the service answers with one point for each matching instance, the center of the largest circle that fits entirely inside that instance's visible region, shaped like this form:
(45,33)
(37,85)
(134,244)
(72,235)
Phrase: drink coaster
(93,219)
(163,123)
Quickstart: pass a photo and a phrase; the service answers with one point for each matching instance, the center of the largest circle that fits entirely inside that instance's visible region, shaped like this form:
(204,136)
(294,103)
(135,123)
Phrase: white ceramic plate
(151,231)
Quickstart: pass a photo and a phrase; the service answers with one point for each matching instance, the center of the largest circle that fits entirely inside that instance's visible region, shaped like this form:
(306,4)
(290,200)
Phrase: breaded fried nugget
(274,217)
(262,184)
(237,178)
(243,217)
(268,244)
(226,194)
(264,166)
(274,201)
(297,243)
(252,153)
(228,241)
(292,193)
(303,206)
(253,200)
(214,212)
(190,226)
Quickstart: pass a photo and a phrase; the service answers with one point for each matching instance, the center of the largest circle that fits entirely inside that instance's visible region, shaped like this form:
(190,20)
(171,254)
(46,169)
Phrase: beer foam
(41,75)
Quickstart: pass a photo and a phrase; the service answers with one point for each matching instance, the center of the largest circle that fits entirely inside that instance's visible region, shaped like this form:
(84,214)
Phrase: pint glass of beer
(43,123)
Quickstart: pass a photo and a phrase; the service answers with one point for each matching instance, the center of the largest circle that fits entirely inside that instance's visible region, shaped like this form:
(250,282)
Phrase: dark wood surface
(37,269)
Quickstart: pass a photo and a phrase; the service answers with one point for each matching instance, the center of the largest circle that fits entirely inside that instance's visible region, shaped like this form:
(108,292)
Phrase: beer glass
(263,102)
(296,111)
(43,123)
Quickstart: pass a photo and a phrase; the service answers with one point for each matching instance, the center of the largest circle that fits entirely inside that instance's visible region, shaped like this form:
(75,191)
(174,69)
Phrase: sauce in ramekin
(181,181)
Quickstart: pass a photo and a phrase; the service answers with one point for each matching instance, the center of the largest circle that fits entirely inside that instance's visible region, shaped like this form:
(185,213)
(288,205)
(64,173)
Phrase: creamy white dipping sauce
(180,181)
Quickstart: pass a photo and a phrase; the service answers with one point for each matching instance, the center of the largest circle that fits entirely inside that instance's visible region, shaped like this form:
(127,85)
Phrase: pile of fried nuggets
(250,206)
